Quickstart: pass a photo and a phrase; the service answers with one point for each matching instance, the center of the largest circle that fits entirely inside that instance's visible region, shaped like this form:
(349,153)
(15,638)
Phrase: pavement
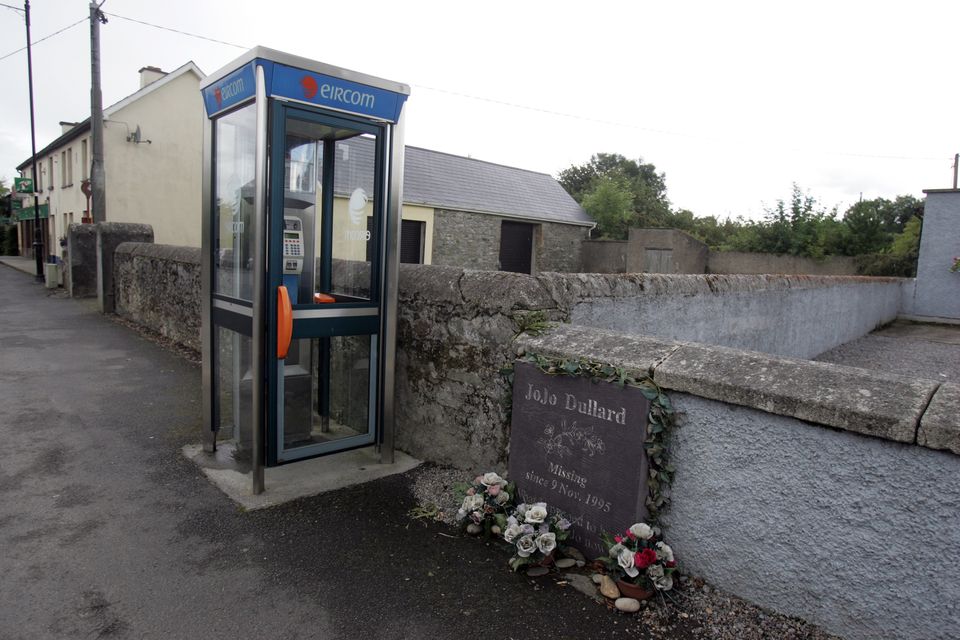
(108,531)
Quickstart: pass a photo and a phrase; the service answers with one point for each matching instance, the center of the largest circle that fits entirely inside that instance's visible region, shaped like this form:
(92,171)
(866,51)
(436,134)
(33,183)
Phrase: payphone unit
(302,173)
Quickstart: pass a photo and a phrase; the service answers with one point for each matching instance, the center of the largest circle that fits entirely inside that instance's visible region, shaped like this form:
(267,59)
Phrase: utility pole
(956,162)
(38,252)
(98,178)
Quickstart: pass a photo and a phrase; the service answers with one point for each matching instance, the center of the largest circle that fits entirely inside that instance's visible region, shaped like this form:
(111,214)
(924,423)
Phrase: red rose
(631,536)
(645,558)
(618,539)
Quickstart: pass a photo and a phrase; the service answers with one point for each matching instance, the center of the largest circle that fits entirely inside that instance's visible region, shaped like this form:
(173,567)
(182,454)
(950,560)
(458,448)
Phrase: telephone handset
(292,245)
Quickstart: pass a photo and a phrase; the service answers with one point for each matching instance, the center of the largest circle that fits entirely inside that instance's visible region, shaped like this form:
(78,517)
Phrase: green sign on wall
(16,203)
(23,185)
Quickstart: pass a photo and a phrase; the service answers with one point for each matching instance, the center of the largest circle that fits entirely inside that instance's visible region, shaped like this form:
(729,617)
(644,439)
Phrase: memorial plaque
(578,446)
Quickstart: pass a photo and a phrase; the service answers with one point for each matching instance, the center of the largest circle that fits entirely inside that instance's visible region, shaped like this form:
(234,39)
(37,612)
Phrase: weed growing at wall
(659,420)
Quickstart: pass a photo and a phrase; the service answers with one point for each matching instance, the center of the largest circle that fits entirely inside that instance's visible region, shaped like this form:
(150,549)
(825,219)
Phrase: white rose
(642,531)
(522,508)
(491,478)
(616,549)
(625,560)
(546,542)
(502,498)
(537,513)
(526,546)
(655,572)
(511,532)
(472,503)
(664,552)
(664,584)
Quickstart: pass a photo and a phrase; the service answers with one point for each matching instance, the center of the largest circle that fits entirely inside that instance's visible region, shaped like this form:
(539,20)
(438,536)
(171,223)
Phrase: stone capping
(173,253)
(882,405)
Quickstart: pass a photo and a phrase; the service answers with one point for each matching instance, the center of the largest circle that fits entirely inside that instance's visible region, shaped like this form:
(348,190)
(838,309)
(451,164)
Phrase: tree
(610,204)
(796,228)
(648,190)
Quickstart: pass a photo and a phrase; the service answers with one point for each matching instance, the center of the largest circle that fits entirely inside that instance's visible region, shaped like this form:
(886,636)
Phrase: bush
(888,264)
(8,240)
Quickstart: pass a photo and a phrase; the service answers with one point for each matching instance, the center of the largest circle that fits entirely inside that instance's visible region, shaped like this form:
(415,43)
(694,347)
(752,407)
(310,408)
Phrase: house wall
(472,241)
(604,256)
(158,183)
(937,291)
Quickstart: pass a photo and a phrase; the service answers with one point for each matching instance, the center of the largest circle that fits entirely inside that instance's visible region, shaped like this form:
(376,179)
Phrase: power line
(499,102)
(183,33)
(10,6)
(55,33)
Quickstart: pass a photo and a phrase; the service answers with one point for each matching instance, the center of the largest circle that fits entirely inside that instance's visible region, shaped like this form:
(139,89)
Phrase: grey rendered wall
(472,241)
(81,267)
(604,256)
(689,255)
(857,534)
(799,316)
(757,263)
(938,289)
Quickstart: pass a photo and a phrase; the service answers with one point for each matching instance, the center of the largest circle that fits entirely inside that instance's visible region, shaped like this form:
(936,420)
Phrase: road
(106,531)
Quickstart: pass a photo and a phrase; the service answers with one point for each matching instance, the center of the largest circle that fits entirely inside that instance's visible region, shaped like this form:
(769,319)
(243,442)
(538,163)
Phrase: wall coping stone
(176,253)
(868,402)
(940,424)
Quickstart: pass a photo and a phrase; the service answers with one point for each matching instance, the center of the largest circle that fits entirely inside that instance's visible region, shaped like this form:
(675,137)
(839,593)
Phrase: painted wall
(798,316)
(938,289)
(158,183)
(852,533)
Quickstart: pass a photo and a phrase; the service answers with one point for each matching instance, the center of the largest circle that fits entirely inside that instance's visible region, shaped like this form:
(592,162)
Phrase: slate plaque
(578,446)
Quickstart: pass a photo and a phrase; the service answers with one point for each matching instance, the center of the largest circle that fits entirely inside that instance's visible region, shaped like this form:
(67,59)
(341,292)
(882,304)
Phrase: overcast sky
(734,101)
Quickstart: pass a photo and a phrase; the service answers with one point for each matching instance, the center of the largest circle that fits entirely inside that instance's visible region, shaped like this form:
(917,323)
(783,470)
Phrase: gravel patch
(692,610)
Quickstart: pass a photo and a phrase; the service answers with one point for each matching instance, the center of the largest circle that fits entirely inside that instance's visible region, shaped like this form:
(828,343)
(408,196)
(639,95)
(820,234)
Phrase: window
(84,164)
(50,173)
(66,167)
(411,240)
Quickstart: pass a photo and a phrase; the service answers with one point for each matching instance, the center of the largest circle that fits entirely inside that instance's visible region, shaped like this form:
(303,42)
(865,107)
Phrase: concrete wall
(673,251)
(852,527)
(80,270)
(603,256)
(938,289)
(665,251)
(472,241)
(757,263)
(799,316)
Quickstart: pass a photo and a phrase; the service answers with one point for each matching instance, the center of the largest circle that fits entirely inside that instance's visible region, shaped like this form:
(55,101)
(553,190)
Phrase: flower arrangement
(640,557)
(534,533)
(956,264)
(486,504)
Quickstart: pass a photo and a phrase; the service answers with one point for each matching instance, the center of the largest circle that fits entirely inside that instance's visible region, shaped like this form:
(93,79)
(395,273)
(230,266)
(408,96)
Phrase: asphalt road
(106,531)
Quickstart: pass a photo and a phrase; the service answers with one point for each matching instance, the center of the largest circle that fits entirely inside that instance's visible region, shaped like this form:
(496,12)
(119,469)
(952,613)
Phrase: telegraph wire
(183,33)
(55,33)
(494,100)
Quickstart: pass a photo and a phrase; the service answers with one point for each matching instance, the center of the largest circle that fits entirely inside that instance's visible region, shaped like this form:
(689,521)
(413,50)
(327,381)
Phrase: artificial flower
(645,558)
(641,530)
(625,560)
(490,479)
(525,546)
(546,542)
(537,513)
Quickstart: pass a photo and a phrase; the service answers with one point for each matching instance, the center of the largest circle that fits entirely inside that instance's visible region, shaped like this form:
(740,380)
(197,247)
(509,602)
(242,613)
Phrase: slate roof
(446,181)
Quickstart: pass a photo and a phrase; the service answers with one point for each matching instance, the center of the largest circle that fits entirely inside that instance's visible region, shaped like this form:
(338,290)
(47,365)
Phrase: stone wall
(158,286)
(806,520)
(80,275)
(472,241)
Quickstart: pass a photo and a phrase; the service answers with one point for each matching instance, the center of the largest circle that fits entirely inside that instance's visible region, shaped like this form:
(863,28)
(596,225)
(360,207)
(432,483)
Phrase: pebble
(565,563)
(474,529)
(627,605)
(573,552)
(535,572)
(608,588)
(597,577)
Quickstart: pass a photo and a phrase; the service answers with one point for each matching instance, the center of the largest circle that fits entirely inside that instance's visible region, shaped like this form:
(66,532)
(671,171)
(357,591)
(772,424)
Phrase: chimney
(66,126)
(150,74)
